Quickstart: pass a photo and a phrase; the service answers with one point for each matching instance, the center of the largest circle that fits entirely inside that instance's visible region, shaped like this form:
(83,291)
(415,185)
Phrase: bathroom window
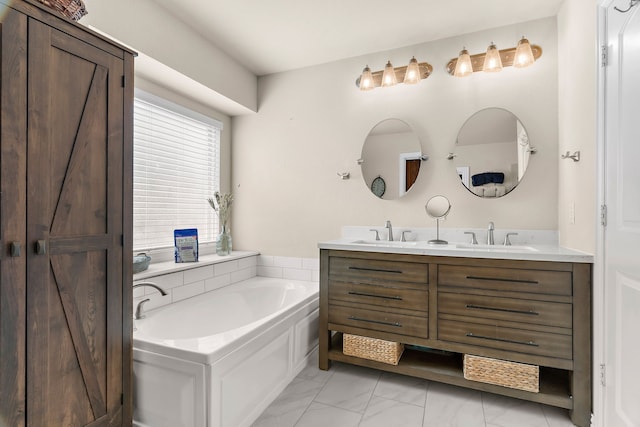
(176,167)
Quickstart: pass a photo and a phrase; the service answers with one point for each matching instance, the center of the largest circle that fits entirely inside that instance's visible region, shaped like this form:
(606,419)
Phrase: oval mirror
(438,207)
(492,152)
(391,159)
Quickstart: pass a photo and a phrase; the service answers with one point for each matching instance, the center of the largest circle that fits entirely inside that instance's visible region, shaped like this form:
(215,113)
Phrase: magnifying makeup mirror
(438,207)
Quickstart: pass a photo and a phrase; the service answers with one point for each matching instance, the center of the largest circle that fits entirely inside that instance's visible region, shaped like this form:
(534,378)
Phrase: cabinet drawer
(385,296)
(378,321)
(506,279)
(501,338)
(377,271)
(509,309)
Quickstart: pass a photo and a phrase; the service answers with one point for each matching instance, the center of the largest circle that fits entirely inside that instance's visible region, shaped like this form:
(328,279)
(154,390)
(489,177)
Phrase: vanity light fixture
(493,60)
(390,76)
(463,66)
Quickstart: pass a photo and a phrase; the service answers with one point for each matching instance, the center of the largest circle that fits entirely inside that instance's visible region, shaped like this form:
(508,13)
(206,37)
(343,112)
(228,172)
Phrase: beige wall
(173,43)
(577,94)
(311,124)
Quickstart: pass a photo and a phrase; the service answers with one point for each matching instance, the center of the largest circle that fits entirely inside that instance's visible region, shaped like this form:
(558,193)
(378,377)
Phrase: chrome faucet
(490,233)
(139,314)
(390,228)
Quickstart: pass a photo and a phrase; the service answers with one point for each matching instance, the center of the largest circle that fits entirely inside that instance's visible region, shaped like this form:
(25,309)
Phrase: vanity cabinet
(65,222)
(533,312)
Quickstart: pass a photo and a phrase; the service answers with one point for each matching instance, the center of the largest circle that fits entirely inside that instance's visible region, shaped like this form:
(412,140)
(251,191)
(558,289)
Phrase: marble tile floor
(352,396)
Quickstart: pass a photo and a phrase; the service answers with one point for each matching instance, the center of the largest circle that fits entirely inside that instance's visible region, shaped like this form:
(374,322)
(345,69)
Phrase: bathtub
(219,359)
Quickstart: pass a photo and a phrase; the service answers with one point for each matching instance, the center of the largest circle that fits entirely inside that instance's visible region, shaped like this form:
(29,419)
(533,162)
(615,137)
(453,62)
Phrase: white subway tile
(315,275)
(287,262)
(225,267)
(275,272)
(311,263)
(188,291)
(247,262)
(265,260)
(217,282)
(165,281)
(296,274)
(198,274)
(244,274)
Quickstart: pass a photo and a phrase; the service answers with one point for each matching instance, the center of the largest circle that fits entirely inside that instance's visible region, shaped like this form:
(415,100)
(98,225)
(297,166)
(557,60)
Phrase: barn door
(13,143)
(74,232)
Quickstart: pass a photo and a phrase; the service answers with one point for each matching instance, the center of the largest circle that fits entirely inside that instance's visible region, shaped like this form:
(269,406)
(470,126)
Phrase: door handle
(41,247)
(15,249)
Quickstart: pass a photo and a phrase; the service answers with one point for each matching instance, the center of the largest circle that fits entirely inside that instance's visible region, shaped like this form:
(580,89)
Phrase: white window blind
(176,167)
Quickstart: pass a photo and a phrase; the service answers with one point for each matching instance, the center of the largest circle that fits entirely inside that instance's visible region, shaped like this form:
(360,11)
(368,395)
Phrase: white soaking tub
(219,359)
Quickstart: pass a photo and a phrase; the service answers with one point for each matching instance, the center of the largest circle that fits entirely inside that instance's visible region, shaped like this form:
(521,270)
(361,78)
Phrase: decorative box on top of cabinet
(66,136)
(532,312)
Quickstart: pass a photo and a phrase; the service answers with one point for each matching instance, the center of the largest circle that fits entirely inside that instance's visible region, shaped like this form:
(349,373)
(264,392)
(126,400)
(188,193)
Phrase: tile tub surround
(351,396)
(211,272)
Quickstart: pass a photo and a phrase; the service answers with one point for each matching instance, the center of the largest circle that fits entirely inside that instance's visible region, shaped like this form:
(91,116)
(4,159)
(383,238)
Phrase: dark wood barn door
(74,231)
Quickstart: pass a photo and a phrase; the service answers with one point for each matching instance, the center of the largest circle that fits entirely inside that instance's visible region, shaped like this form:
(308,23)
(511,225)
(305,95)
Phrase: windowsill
(167,267)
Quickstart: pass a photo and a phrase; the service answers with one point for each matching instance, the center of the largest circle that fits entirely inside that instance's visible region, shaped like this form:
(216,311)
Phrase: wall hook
(575,156)
(360,161)
(344,175)
(631,4)
(450,156)
(532,150)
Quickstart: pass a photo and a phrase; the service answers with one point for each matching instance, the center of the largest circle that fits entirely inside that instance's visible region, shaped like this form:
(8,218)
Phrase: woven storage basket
(74,9)
(503,373)
(372,348)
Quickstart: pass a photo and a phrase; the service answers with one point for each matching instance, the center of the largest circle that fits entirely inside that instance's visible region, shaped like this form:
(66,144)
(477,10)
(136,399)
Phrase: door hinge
(603,374)
(603,215)
(124,81)
(604,57)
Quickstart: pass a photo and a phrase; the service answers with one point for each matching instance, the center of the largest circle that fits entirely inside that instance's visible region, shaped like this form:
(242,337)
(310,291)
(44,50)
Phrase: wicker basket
(74,9)
(502,373)
(372,348)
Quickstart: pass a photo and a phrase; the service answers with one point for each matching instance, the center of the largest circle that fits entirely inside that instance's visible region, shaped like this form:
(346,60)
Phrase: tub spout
(139,314)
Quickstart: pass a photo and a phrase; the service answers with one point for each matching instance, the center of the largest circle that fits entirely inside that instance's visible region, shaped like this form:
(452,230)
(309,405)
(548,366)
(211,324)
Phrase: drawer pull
(364,294)
(379,322)
(496,279)
(506,310)
(378,270)
(530,343)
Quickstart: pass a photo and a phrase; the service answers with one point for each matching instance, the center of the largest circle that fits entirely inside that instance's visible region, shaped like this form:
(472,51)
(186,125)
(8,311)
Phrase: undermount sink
(496,248)
(385,243)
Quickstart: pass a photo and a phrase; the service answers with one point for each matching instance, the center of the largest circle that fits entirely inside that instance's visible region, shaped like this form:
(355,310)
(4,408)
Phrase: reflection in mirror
(438,207)
(492,152)
(391,159)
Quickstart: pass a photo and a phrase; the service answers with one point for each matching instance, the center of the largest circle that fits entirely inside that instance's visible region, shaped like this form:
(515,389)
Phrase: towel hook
(575,156)
(631,4)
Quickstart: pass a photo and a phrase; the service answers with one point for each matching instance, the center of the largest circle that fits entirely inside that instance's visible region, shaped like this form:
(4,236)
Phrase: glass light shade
(366,79)
(492,60)
(524,55)
(412,75)
(389,76)
(463,65)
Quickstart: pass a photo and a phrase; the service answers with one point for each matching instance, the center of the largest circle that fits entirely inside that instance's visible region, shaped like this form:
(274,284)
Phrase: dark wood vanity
(532,312)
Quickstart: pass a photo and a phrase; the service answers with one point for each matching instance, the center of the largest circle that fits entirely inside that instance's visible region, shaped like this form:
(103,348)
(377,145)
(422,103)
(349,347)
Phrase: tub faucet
(139,314)
(490,233)
(390,228)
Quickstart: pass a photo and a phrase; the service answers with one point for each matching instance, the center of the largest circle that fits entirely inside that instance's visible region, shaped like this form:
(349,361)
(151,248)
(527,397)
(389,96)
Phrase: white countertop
(528,252)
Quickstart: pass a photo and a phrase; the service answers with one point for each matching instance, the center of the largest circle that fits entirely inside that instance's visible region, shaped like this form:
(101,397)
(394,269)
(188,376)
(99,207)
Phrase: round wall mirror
(438,207)
(492,152)
(391,159)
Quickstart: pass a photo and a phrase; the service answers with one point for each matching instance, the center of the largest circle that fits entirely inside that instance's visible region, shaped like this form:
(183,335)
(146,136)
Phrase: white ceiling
(269,36)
